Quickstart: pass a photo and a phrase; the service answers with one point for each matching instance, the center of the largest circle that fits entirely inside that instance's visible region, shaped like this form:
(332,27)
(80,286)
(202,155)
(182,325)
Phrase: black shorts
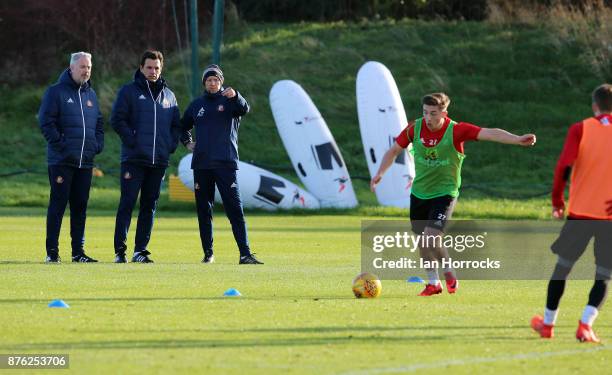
(433,213)
(575,236)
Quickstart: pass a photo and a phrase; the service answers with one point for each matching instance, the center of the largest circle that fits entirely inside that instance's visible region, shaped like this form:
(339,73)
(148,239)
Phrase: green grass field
(297,313)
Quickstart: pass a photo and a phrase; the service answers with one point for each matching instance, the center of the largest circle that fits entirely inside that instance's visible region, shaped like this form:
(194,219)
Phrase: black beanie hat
(212,70)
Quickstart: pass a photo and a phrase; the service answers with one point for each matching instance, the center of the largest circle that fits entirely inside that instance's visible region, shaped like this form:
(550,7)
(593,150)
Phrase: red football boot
(585,333)
(452,284)
(545,330)
(431,289)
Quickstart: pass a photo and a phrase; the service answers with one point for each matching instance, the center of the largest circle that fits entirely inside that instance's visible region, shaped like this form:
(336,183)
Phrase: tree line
(32,31)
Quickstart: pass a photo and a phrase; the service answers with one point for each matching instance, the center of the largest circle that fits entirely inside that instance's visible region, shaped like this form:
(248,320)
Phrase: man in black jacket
(72,124)
(216,118)
(146,117)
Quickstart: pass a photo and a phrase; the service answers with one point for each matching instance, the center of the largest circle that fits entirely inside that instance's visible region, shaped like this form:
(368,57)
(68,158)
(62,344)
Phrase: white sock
(589,315)
(550,316)
(432,274)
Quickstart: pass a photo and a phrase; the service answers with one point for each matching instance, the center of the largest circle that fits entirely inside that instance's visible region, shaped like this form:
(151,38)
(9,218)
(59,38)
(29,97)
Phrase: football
(367,285)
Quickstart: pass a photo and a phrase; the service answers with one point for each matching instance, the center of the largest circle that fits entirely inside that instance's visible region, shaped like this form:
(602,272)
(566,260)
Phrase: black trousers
(146,181)
(68,184)
(227,183)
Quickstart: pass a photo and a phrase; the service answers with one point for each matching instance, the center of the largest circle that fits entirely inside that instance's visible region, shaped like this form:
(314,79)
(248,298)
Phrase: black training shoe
(82,258)
(208,257)
(249,259)
(142,257)
(120,258)
(53,257)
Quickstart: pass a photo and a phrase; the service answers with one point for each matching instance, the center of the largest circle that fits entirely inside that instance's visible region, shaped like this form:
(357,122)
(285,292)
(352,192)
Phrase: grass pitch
(297,313)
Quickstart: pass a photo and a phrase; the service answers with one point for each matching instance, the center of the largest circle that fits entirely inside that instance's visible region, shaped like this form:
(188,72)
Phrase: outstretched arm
(386,162)
(502,136)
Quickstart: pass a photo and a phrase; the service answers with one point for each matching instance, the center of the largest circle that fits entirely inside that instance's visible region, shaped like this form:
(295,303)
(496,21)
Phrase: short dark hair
(602,96)
(439,99)
(153,55)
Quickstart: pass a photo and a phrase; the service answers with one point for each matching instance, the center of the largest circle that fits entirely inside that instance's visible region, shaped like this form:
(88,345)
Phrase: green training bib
(437,168)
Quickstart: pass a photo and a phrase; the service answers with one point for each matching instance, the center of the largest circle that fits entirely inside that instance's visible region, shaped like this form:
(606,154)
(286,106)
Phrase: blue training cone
(231,292)
(415,279)
(59,303)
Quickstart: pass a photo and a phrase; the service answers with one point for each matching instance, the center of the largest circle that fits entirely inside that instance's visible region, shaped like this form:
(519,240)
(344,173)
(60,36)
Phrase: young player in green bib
(438,156)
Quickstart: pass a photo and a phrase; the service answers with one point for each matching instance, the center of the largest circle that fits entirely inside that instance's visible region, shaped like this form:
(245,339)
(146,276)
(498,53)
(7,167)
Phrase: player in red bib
(586,154)
(438,153)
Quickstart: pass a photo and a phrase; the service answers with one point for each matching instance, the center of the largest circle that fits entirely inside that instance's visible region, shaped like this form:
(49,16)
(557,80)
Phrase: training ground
(296,315)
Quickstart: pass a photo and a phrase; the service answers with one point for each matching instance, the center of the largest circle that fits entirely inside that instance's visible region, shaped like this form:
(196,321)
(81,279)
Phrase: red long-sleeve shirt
(567,158)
